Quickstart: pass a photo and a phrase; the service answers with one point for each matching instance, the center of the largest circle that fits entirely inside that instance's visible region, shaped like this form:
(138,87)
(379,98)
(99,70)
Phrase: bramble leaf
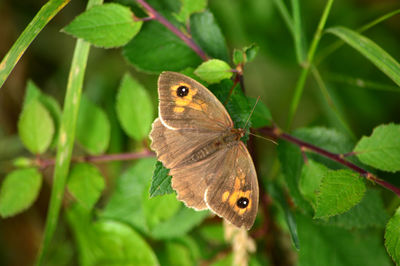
(382,149)
(108,25)
(19,190)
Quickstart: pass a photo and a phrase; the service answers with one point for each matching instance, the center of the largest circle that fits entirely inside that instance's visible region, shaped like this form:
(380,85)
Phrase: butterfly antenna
(258,136)
(254,107)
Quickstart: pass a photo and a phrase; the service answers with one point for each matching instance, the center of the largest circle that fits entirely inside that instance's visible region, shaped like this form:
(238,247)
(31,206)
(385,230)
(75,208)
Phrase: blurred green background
(272,76)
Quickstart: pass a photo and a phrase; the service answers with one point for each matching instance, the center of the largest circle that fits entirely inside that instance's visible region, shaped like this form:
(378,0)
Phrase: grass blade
(280,5)
(310,56)
(45,14)
(374,53)
(66,140)
(299,38)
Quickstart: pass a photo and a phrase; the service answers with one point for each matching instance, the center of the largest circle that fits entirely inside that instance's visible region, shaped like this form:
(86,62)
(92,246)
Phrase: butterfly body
(195,138)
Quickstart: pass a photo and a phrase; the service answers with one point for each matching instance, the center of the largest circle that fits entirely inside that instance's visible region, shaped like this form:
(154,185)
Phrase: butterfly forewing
(186,104)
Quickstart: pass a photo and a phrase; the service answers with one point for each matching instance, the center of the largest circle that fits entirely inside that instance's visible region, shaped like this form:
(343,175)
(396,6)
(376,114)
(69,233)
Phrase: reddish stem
(44,163)
(189,41)
(276,133)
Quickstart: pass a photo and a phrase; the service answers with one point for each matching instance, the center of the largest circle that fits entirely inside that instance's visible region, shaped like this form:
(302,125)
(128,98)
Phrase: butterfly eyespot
(182,91)
(242,202)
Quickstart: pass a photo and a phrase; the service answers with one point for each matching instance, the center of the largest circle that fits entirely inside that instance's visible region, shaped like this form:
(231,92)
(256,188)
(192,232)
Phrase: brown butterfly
(210,166)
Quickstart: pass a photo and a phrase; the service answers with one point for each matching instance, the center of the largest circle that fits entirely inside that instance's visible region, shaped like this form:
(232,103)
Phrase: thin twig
(276,132)
(189,41)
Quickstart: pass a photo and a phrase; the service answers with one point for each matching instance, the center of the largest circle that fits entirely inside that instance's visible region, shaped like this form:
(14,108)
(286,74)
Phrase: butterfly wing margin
(199,109)
(236,178)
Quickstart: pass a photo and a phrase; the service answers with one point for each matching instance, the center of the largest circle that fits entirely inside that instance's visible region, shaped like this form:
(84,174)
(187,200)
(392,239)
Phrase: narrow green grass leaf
(392,237)
(207,34)
(214,70)
(66,140)
(161,181)
(156,49)
(93,128)
(374,53)
(85,183)
(382,149)
(109,25)
(339,191)
(188,7)
(298,32)
(134,108)
(35,127)
(44,16)
(19,190)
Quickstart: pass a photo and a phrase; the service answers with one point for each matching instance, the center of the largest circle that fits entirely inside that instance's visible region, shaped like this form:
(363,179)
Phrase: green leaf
(157,49)
(85,183)
(370,212)
(374,53)
(108,25)
(131,188)
(261,116)
(181,223)
(134,108)
(291,164)
(238,57)
(207,34)
(160,209)
(333,246)
(251,52)
(213,71)
(161,181)
(339,191)
(237,105)
(382,149)
(93,128)
(52,106)
(277,194)
(175,253)
(35,127)
(392,237)
(189,7)
(310,180)
(107,242)
(19,190)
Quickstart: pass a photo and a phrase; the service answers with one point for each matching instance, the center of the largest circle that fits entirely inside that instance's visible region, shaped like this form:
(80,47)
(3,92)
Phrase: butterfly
(195,138)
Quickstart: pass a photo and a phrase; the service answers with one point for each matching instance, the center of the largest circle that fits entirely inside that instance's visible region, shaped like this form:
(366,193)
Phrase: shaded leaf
(310,180)
(157,49)
(374,53)
(382,149)
(108,25)
(333,246)
(207,34)
(19,190)
(261,116)
(134,108)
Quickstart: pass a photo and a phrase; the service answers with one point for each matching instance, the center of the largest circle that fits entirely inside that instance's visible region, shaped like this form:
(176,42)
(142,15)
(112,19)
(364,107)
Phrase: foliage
(316,187)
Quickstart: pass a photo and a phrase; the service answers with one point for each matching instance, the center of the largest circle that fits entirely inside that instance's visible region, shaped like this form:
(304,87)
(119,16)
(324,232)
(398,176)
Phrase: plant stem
(277,133)
(189,41)
(66,139)
(45,14)
(44,163)
(310,56)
